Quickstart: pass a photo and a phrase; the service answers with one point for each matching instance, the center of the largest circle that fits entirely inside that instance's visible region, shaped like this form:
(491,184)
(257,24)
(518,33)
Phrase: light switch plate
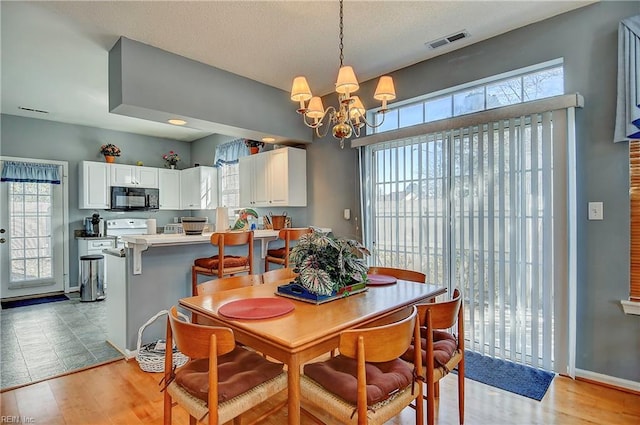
(596,211)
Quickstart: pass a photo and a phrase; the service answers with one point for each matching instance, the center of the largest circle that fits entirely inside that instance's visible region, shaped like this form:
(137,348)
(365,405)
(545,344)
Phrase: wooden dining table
(310,330)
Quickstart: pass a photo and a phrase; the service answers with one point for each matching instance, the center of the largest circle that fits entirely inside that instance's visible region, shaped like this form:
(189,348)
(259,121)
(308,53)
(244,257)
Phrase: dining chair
(281,255)
(367,383)
(283,275)
(441,350)
(230,264)
(222,380)
(403,274)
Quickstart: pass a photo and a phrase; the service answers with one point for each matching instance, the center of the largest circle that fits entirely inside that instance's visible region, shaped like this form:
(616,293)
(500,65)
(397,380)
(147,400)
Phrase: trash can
(92,278)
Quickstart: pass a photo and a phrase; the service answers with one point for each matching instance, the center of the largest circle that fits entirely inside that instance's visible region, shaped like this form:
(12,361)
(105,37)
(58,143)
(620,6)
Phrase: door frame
(64,180)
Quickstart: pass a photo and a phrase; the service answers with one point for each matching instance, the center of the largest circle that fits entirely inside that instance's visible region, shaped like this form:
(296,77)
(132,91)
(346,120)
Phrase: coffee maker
(94,226)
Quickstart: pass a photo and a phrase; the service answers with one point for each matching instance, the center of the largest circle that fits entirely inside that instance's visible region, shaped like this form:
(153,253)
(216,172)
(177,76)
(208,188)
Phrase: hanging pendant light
(349,117)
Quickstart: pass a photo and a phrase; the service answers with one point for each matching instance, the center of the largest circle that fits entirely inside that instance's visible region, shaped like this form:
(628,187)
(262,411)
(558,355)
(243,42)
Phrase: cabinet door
(246,177)
(198,188)
(146,177)
(169,185)
(278,177)
(94,185)
(261,186)
(122,175)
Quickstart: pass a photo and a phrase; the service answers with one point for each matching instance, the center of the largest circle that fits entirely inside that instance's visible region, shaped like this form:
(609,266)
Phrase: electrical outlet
(596,211)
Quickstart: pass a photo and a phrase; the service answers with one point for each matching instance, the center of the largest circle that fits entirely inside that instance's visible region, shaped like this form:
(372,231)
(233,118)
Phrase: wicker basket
(149,357)
(194,225)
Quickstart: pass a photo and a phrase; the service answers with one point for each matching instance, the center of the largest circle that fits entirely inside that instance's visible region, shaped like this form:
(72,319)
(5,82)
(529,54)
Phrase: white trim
(572,213)
(609,380)
(630,307)
(65,211)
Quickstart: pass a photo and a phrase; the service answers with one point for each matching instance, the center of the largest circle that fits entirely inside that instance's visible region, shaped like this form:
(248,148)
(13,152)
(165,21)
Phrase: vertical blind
(473,207)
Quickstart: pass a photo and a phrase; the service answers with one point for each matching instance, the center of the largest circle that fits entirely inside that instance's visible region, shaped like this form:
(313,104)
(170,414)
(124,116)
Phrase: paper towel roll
(151,226)
(222,219)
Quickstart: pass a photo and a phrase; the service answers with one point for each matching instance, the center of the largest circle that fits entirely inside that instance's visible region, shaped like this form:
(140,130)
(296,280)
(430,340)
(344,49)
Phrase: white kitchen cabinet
(199,188)
(169,185)
(133,176)
(93,185)
(276,178)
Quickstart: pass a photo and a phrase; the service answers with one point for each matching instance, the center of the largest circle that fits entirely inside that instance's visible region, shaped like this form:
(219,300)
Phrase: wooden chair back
(283,275)
(226,283)
(368,341)
(444,314)
(287,235)
(195,340)
(402,274)
(232,239)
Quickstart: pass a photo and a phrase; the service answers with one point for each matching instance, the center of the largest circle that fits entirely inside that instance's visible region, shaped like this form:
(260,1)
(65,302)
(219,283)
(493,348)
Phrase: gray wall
(608,341)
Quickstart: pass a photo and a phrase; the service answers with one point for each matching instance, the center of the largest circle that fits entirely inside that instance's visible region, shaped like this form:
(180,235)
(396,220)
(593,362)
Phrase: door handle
(2,230)
(2,240)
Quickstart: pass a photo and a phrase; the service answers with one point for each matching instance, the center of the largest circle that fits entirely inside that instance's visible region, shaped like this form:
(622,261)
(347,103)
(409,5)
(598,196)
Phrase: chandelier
(349,117)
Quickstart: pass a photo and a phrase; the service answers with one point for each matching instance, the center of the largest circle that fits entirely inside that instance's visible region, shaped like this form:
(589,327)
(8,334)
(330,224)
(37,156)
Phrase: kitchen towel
(222,219)
(151,226)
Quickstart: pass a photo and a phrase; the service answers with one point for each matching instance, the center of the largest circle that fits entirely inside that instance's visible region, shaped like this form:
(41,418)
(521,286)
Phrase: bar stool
(230,264)
(281,255)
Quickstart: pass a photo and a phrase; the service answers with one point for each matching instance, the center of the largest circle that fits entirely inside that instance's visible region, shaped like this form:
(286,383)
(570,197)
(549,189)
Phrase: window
(523,85)
(229,185)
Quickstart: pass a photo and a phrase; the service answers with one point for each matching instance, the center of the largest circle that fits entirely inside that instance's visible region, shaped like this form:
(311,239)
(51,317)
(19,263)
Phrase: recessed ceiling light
(176,121)
(268,139)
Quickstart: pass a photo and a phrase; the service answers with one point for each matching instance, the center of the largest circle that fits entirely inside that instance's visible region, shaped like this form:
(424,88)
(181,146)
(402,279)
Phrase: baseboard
(609,381)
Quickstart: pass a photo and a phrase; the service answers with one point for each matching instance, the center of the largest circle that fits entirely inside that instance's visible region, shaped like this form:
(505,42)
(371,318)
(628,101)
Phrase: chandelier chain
(341,36)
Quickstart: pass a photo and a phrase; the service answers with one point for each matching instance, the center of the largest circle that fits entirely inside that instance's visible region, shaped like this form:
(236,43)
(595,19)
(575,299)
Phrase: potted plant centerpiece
(327,267)
(110,151)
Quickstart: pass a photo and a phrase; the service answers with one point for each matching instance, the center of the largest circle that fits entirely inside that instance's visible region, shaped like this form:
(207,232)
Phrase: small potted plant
(171,159)
(253,145)
(327,267)
(110,151)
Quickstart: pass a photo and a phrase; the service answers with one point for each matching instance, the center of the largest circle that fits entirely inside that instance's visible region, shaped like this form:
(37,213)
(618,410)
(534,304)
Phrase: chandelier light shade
(350,116)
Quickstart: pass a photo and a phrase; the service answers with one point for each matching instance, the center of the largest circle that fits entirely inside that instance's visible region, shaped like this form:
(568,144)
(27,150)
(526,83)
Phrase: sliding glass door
(474,207)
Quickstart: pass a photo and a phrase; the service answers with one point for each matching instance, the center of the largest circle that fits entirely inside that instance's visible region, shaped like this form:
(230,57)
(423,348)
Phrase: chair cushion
(238,372)
(339,376)
(229,261)
(279,252)
(444,347)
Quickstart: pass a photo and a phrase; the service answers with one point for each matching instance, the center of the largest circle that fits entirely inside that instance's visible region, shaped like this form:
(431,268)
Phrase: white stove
(125,226)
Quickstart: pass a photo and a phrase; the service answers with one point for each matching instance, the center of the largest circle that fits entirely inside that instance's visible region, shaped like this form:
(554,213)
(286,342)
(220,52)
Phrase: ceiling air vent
(448,39)
(40,111)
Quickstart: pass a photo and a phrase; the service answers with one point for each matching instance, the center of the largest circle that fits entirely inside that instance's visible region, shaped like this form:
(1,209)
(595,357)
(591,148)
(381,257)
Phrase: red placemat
(256,308)
(380,279)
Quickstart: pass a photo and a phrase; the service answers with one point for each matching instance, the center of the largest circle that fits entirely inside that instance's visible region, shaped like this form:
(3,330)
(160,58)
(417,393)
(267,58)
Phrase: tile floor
(45,340)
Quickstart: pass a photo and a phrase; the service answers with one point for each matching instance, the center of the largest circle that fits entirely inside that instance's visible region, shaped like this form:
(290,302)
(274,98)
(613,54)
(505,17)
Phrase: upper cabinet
(169,185)
(274,178)
(198,188)
(94,185)
(133,176)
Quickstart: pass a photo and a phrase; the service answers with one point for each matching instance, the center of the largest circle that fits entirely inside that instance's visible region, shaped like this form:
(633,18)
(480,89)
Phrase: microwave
(134,199)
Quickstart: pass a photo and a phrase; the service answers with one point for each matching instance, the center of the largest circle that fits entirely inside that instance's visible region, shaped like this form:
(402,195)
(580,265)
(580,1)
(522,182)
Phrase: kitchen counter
(140,243)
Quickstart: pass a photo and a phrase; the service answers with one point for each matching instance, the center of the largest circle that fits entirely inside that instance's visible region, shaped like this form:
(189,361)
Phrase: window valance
(628,106)
(14,171)
(230,152)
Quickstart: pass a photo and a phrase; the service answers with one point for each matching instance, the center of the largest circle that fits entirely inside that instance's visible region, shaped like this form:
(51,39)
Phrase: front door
(31,238)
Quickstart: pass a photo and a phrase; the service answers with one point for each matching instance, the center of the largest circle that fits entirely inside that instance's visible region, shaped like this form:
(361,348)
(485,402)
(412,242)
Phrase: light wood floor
(120,393)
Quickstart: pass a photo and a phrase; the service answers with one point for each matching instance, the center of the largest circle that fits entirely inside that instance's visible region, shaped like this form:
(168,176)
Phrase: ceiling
(55,54)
